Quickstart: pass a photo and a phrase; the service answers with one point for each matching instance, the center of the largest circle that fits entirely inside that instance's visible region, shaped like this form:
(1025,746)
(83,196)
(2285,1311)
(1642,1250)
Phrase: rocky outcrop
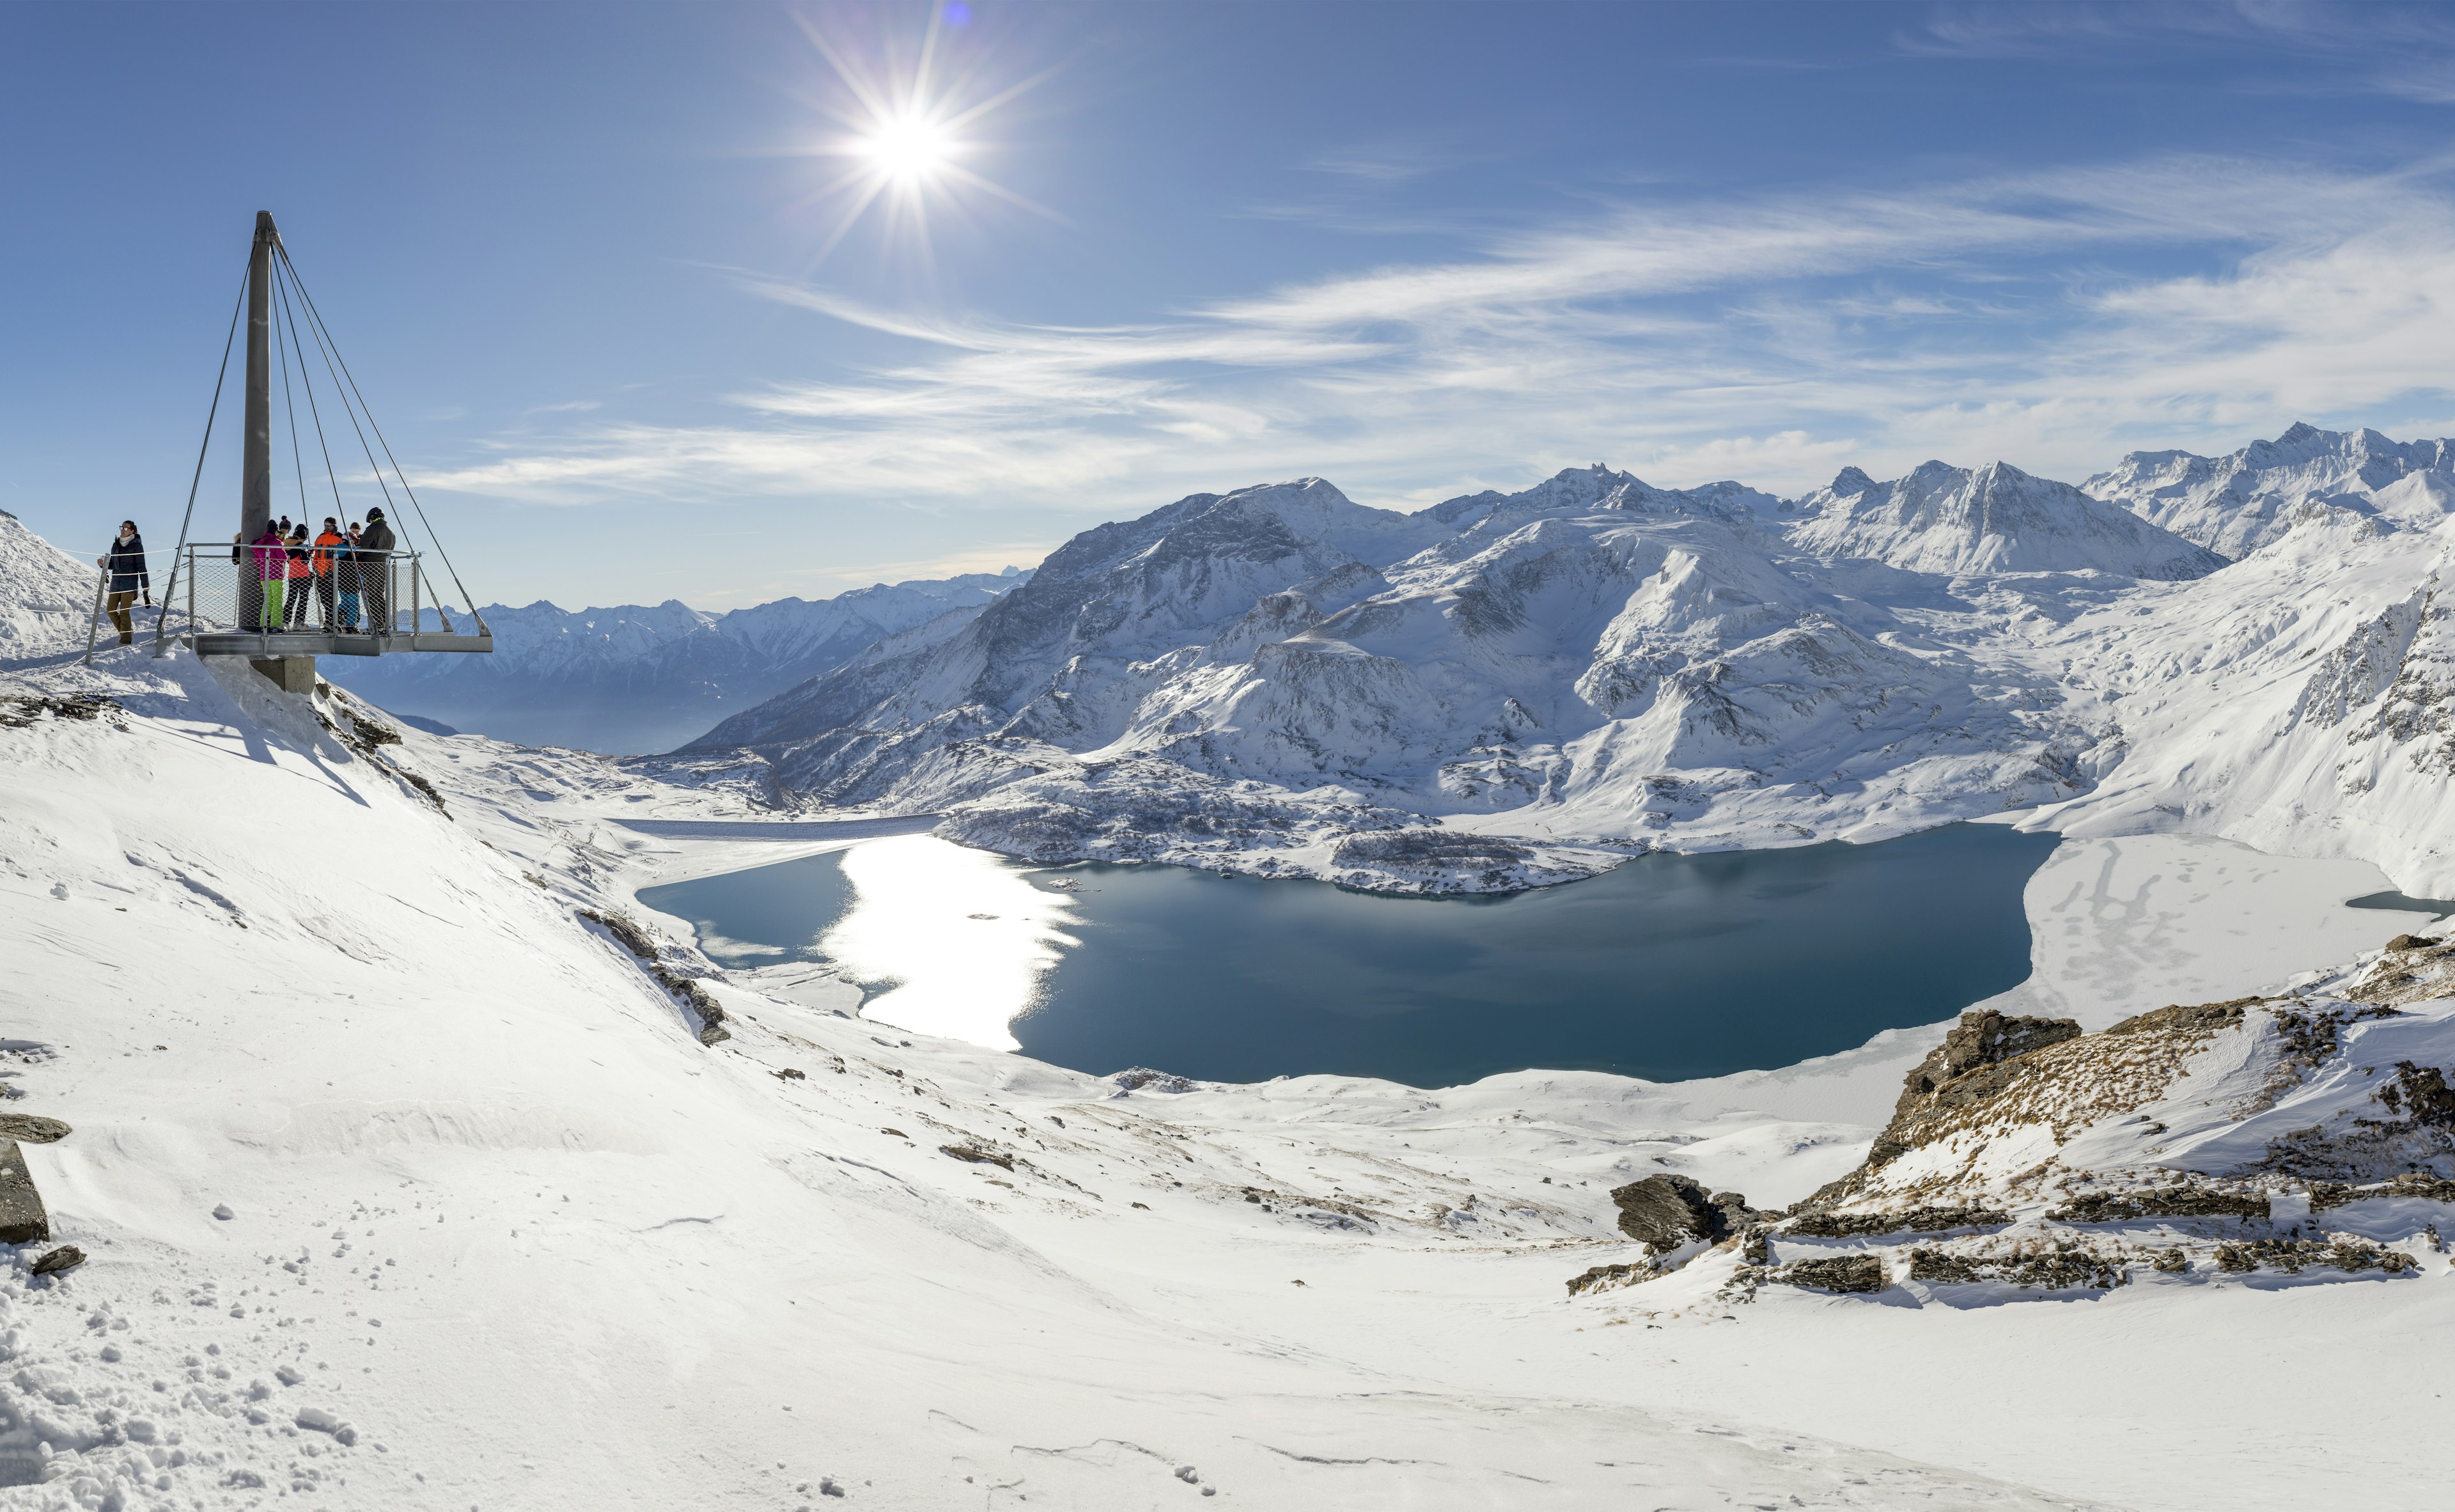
(701,1002)
(31,1129)
(2307,1137)
(1974,1062)
(1912,1221)
(1670,1211)
(2181,1199)
(23,1218)
(1839,1273)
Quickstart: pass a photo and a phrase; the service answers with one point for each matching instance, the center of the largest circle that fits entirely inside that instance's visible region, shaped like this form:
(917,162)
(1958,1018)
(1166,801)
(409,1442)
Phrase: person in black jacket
(126,564)
(374,571)
(302,571)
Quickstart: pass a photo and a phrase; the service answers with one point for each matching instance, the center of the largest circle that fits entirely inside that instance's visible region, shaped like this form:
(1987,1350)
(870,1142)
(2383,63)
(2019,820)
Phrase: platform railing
(269,600)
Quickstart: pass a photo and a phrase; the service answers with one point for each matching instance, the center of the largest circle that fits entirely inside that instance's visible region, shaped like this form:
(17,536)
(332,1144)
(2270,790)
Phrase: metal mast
(255,448)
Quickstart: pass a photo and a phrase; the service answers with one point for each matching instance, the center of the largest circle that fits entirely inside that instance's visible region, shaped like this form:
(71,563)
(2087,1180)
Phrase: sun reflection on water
(965,940)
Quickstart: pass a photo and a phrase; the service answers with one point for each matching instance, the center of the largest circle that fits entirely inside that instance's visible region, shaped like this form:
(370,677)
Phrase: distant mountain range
(1515,688)
(632,679)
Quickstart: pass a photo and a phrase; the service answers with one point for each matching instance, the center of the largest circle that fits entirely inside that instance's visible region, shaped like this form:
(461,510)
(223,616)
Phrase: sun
(907,150)
(908,119)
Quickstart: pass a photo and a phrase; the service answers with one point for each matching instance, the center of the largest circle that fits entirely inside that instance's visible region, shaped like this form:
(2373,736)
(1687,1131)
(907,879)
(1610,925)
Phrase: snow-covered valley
(417,1164)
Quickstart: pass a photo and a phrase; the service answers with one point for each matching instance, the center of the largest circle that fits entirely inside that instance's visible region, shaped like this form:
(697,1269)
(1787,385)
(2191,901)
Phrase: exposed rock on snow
(2191,1143)
(66,1257)
(17,712)
(702,1003)
(33,1129)
(1943,1082)
(2235,505)
(1835,1273)
(1670,1211)
(23,1218)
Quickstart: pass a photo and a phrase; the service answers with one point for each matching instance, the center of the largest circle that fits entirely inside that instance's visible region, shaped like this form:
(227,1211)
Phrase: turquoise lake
(1670,967)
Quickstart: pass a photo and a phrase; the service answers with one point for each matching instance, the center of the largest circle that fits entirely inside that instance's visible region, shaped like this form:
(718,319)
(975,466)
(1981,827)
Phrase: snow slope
(2298,702)
(47,596)
(502,1232)
(641,678)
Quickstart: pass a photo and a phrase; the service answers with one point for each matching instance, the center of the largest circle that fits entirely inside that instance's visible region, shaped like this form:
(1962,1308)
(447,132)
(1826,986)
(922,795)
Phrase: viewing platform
(341,602)
(282,595)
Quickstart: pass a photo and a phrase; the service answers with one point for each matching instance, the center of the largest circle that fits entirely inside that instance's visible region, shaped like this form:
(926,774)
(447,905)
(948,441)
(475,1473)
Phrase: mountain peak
(1994,518)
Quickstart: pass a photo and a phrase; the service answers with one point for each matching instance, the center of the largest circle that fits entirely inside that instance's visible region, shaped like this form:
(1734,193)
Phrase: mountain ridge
(1598,662)
(632,678)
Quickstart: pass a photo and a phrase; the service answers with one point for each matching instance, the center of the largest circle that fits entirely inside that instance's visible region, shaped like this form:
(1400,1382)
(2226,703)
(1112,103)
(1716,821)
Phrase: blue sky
(590,268)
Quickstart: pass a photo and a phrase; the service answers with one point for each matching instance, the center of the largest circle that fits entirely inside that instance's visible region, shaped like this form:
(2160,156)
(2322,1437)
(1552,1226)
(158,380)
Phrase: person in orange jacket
(322,564)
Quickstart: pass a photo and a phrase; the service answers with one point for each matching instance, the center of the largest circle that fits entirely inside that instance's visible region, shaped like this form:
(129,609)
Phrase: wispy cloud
(2400,50)
(1393,160)
(2053,319)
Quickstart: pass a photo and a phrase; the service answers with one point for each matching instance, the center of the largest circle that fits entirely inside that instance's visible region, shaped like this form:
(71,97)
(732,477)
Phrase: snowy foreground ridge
(414,1165)
(1507,691)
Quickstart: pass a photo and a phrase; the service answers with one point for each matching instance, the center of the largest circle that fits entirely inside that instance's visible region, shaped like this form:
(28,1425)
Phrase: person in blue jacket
(126,564)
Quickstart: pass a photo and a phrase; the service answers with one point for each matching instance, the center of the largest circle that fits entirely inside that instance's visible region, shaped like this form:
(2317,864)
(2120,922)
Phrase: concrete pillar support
(289,674)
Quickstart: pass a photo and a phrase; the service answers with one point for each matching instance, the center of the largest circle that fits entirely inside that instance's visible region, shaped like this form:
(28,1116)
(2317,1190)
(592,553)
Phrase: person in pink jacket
(268,557)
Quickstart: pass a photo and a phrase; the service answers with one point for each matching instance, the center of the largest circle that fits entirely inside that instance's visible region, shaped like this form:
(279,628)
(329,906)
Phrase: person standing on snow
(126,564)
(374,571)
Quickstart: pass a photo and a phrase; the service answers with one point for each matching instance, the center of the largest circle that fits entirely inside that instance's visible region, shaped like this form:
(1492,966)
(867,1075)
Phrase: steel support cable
(307,380)
(290,408)
(326,348)
(315,317)
(323,351)
(179,553)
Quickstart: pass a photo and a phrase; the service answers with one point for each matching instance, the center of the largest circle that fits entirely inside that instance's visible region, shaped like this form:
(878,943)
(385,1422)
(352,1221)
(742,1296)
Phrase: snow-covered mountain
(1990,519)
(635,678)
(1593,655)
(2234,505)
(1511,689)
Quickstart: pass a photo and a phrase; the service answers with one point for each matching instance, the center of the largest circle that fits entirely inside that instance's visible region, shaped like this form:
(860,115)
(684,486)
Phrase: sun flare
(907,150)
(908,119)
